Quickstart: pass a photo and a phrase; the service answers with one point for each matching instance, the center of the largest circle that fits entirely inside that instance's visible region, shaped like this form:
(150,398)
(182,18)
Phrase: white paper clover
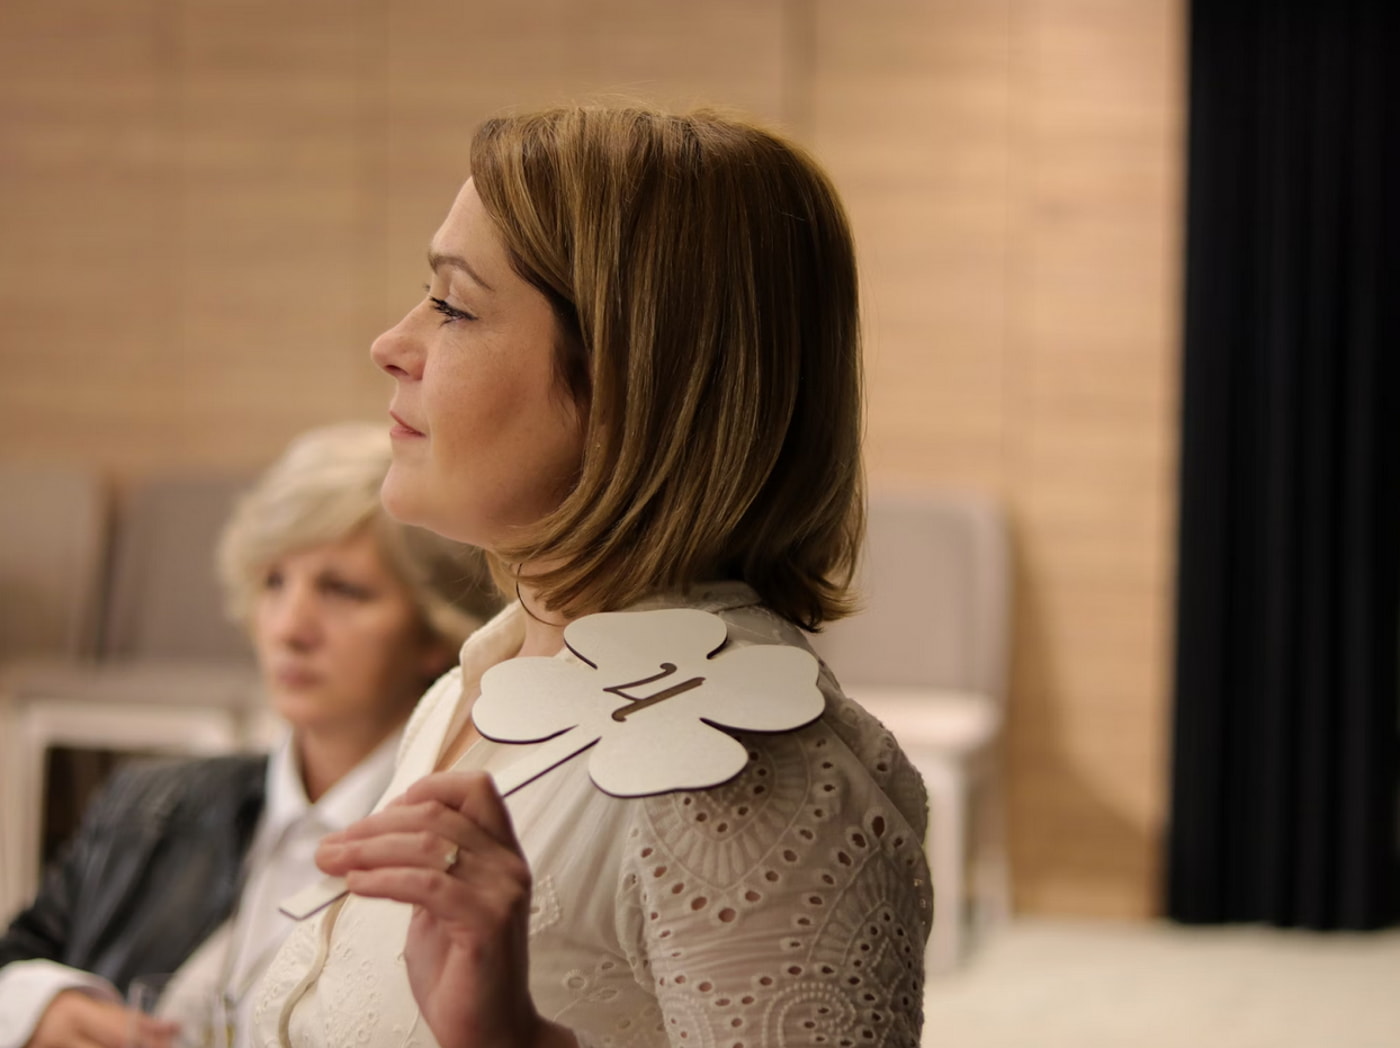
(650,701)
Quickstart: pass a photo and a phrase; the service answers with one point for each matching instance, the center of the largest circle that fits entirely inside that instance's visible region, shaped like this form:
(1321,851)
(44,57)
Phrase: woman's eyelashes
(328,584)
(449,312)
(336,586)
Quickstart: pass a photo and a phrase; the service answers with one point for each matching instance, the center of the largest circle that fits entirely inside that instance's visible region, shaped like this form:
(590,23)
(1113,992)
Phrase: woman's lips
(296,678)
(402,428)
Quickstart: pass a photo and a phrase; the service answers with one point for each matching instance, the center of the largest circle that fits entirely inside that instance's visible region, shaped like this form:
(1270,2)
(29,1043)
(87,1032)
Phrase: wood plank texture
(1012,171)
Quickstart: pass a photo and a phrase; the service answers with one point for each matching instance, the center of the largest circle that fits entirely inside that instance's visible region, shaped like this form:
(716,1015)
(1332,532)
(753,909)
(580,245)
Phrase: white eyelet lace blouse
(787,907)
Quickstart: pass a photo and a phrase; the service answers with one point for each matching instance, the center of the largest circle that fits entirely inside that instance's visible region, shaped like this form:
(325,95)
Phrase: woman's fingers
(399,817)
(426,834)
(446,846)
(479,895)
(104,1022)
(75,1020)
(417,848)
(474,794)
(423,829)
(154,1033)
(435,831)
(449,804)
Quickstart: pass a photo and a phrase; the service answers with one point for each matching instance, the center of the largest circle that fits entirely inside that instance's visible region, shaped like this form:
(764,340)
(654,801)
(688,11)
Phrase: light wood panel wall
(1012,168)
(209,207)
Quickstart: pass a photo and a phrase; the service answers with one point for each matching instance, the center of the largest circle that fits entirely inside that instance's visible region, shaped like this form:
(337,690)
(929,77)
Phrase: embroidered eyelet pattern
(544,905)
(786,907)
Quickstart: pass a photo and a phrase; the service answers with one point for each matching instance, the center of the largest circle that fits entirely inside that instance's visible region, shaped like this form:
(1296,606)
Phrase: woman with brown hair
(635,381)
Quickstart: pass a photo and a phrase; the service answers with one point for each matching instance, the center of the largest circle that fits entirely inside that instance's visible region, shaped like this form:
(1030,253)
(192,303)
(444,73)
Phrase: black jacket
(155,867)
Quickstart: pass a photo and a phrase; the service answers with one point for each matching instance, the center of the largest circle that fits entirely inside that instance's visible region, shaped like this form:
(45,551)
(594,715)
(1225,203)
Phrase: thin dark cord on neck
(542,622)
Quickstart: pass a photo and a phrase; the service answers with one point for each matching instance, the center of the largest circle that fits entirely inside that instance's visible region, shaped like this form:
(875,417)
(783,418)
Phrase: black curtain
(1284,777)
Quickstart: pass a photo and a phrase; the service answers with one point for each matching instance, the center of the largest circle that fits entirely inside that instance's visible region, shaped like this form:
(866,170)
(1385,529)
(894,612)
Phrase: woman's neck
(544,629)
(327,757)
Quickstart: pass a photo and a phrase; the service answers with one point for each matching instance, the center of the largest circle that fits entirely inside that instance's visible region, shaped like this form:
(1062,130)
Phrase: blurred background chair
(53,531)
(164,602)
(928,655)
(171,676)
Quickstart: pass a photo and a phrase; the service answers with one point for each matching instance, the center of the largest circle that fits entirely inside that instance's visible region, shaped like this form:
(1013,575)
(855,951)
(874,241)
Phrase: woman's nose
(295,617)
(397,352)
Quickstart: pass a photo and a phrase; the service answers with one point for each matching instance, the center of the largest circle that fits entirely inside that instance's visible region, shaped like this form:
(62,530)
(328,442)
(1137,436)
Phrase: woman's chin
(401,499)
(404,508)
(302,710)
(396,496)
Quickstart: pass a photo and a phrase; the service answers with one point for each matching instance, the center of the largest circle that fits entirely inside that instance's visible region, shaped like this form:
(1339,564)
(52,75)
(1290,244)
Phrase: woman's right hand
(447,848)
(75,1019)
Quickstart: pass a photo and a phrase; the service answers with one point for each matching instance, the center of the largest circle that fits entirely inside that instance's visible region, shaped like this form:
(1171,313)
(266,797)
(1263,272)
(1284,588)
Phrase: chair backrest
(164,600)
(52,539)
(935,582)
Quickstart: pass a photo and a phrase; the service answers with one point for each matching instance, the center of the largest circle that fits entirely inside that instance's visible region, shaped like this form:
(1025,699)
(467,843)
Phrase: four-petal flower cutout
(655,691)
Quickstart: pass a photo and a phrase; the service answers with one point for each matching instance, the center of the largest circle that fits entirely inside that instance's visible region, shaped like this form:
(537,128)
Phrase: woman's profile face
(341,645)
(485,440)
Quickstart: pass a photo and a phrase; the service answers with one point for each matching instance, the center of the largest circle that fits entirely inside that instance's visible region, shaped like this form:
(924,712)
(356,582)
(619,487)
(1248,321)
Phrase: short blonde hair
(325,488)
(704,278)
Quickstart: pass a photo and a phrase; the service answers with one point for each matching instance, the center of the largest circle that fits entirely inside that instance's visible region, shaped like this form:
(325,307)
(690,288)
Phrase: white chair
(928,656)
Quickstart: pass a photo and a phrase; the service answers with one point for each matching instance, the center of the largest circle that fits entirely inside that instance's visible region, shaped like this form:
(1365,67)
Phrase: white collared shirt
(280,861)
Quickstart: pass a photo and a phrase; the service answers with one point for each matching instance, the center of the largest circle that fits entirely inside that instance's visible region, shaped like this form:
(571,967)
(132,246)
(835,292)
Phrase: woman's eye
(449,312)
(272,580)
(346,588)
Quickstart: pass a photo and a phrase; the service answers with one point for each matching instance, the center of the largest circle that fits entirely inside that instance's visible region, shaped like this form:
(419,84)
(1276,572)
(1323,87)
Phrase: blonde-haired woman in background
(178,866)
(635,381)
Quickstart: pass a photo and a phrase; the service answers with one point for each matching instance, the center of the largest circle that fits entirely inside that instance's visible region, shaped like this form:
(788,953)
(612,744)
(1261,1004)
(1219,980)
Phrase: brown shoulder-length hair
(704,277)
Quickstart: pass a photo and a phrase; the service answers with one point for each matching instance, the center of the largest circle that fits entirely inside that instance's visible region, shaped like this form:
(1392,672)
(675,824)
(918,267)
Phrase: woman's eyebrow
(437,260)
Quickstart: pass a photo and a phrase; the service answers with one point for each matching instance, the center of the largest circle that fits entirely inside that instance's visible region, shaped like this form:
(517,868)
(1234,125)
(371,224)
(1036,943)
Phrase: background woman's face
(485,440)
(341,646)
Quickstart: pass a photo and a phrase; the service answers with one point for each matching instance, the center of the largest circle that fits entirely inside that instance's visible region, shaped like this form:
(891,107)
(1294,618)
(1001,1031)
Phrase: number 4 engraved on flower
(642,702)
